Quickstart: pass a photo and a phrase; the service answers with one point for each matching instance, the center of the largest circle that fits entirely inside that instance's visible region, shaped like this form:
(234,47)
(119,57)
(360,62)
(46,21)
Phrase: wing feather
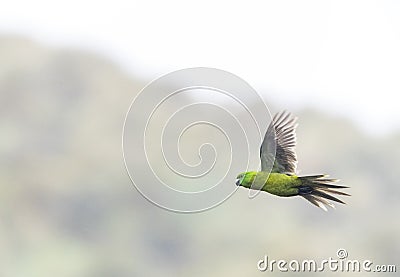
(277,151)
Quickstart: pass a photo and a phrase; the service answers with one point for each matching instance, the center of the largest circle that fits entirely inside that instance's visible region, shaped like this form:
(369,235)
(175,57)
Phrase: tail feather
(335,191)
(317,190)
(321,204)
(319,193)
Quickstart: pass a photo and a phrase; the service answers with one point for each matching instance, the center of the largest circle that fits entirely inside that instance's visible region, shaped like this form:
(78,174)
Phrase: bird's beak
(238,182)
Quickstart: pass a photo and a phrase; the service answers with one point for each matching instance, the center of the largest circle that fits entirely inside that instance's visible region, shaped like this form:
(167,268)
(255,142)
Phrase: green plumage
(278,168)
(275,183)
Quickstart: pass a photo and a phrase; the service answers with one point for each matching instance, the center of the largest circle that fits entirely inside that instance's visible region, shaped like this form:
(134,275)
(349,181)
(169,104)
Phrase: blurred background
(69,71)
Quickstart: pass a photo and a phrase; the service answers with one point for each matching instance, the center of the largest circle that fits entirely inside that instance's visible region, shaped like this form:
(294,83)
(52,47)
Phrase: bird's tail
(317,189)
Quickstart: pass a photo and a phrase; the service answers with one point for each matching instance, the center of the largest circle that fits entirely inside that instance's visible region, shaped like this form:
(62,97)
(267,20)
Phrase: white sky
(341,56)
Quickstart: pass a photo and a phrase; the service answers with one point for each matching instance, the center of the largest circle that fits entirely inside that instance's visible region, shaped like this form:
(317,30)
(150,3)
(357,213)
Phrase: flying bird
(278,168)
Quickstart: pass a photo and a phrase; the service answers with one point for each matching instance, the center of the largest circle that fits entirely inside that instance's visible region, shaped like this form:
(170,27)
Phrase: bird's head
(240,178)
(246,179)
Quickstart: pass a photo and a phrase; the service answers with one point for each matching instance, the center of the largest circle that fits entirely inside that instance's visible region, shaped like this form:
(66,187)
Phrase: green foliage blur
(68,208)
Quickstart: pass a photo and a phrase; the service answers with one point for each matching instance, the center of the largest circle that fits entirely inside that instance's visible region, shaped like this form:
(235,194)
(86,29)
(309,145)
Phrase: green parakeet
(278,152)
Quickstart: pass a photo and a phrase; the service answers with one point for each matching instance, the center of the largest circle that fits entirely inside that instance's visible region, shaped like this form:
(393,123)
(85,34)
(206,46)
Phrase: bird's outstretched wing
(277,151)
